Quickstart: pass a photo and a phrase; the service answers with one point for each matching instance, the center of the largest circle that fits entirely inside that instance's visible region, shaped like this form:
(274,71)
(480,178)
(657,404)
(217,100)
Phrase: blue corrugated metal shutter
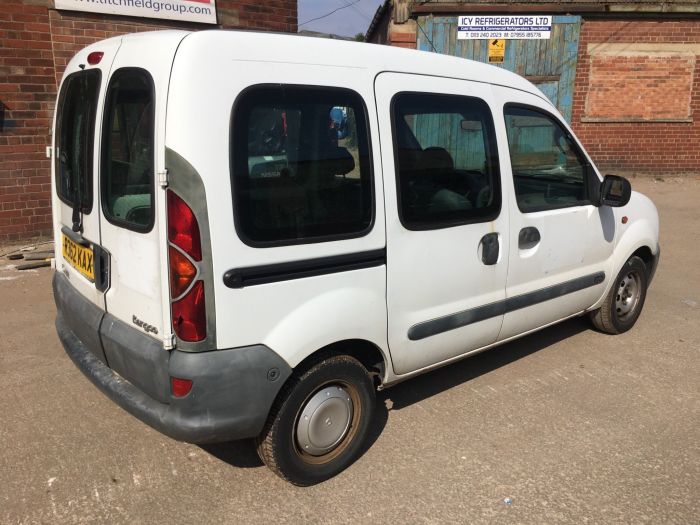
(549,64)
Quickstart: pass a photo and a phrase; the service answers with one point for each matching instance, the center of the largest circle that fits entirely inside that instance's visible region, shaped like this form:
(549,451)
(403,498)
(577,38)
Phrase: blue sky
(347,22)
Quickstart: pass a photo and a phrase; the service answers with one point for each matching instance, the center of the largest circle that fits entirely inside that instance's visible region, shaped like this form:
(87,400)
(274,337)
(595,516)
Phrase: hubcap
(627,295)
(324,420)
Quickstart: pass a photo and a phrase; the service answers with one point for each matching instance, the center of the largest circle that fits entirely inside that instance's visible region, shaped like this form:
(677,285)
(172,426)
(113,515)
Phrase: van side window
(446,160)
(549,170)
(75,130)
(301,165)
(128,150)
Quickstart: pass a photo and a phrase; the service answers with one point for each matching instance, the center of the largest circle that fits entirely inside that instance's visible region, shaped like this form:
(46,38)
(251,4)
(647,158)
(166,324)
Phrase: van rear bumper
(231,395)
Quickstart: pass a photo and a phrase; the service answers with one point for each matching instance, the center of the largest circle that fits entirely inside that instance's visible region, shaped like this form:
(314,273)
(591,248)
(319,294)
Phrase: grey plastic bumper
(232,390)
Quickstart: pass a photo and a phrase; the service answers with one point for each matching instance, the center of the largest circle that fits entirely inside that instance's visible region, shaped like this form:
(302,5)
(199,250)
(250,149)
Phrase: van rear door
(76,167)
(132,215)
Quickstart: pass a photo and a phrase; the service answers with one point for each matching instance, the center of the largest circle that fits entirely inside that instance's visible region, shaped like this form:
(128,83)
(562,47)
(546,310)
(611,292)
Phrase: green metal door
(549,64)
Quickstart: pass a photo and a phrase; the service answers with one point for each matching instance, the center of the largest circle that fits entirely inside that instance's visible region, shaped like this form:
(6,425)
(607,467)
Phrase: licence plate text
(79,257)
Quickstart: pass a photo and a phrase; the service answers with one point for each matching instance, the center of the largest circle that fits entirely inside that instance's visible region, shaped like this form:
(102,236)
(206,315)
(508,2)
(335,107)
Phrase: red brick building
(626,74)
(36,42)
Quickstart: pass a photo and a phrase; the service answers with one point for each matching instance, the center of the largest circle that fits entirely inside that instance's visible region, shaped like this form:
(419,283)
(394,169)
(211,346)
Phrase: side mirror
(615,191)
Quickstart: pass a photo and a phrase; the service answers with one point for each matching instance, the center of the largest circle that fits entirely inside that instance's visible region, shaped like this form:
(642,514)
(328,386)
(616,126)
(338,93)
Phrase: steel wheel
(628,294)
(625,300)
(319,423)
(327,422)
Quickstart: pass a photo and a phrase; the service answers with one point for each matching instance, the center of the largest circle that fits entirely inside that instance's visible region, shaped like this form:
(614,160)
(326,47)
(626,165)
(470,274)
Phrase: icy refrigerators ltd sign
(471,27)
(203,11)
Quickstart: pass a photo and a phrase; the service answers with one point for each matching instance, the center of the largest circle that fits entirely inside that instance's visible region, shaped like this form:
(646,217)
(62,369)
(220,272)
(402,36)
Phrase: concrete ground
(564,426)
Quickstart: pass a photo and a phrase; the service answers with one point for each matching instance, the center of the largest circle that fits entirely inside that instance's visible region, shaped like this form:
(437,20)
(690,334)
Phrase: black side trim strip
(453,321)
(272,273)
(552,292)
(481,313)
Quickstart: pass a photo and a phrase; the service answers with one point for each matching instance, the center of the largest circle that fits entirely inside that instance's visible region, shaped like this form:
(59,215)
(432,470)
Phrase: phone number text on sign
(505,27)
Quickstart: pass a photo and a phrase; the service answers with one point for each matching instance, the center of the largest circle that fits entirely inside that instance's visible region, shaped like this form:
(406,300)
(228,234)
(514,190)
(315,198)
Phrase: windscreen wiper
(77,217)
(74,191)
(77,193)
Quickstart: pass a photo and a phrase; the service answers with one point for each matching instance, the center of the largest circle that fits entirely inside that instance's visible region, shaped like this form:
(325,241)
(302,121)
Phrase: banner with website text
(203,11)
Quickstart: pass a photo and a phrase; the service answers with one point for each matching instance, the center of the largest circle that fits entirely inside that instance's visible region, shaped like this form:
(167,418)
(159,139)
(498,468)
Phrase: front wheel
(625,300)
(319,422)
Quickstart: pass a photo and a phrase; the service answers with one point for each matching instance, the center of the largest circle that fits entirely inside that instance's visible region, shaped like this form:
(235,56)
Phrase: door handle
(528,237)
(489,249)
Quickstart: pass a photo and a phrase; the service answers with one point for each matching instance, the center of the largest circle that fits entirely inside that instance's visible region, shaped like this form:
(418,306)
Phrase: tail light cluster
(188,310)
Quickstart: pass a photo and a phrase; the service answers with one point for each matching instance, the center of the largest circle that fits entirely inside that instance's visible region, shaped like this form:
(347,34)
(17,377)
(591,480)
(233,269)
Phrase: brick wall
(36,44)
(402,35)
(27,90)
(637,95)
(636,86)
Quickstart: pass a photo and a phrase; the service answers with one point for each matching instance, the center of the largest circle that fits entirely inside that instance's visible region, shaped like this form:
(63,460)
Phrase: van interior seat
(276,202)
(437,159)
(308,191)
(332,195)
(336,161)
(430,181)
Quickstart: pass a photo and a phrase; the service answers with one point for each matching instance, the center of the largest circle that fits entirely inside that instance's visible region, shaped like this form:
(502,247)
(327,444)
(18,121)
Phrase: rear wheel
(625,300)
(320,421)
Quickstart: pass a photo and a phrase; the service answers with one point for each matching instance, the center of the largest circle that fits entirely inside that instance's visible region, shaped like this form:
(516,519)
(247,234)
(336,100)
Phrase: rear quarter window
(301,169)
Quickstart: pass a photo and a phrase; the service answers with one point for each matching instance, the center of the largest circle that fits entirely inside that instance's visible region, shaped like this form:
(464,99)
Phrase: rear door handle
(101,267)
(528,237)
(489,249)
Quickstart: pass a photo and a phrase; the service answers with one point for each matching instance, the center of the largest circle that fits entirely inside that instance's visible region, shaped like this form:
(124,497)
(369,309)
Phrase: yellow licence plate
(80,257)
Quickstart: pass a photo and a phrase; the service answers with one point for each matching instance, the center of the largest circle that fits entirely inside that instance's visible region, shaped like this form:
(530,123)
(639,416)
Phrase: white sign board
(475,27)
(203,11)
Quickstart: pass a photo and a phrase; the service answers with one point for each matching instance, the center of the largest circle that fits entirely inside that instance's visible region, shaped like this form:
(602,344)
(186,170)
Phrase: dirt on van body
(564,426)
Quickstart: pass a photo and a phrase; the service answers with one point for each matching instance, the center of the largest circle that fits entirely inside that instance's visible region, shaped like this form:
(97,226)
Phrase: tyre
(319,422)
(625,300)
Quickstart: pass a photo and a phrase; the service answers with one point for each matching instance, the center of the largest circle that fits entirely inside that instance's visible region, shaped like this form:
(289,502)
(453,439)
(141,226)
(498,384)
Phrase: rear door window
(128,150)
(75,138)
(301,165)
(446,163)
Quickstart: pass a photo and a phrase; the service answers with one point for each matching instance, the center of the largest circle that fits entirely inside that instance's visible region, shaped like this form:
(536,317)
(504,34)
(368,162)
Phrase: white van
(257,231)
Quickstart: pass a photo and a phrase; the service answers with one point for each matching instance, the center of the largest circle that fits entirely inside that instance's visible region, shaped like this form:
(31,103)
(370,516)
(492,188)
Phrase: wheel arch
(646,255)
(366,352)
(641,249)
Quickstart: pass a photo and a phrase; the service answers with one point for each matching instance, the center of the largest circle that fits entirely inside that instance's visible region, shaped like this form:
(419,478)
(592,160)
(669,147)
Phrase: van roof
(290,49)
